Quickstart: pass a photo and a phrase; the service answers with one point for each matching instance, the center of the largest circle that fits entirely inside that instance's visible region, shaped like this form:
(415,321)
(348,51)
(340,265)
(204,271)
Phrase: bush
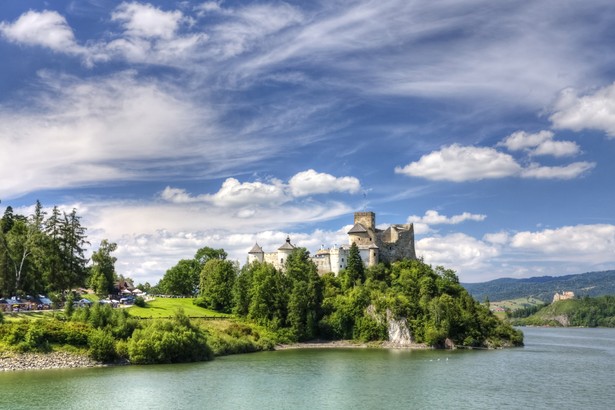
(368,329)
(172,341)
(139,301)
(102,346)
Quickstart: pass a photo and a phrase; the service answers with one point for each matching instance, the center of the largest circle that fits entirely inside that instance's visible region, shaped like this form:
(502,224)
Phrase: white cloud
(432,217)
(462,163)
(498,238)
(569,171)
(234,193)
(311,182)
(557,148)
(46,29)
(594,243)
(521,140)
(457,251)
(73,132)
(147,21)
(540,143)
(592,111)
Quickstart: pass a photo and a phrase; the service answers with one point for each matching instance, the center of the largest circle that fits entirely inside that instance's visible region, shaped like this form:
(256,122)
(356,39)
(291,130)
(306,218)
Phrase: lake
(558,368)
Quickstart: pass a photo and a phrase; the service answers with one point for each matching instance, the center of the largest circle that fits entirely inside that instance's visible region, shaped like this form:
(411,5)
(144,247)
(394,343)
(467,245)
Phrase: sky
(175,125)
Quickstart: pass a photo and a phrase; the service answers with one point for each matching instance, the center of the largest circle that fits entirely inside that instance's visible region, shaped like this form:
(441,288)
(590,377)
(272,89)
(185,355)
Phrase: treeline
(41,253)
(300,305)
(582,312)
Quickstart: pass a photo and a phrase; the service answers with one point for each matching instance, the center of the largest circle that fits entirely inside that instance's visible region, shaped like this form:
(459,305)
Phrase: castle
(375,245)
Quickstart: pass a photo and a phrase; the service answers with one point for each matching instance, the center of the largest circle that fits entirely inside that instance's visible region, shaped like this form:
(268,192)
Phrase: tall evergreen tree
(355,271)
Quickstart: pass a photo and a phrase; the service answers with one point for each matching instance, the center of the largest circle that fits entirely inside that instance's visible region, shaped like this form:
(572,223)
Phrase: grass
(515,304)
(166,307)
(24,314)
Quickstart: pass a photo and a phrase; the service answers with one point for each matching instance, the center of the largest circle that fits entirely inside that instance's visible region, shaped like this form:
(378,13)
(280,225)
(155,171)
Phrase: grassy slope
(166,307)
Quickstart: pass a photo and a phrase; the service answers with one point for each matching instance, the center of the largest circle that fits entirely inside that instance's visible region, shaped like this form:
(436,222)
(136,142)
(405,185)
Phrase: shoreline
(44,361)
(348,344)
(10,361)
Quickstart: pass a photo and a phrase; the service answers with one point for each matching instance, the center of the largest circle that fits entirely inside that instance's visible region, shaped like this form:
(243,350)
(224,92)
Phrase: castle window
(342,259)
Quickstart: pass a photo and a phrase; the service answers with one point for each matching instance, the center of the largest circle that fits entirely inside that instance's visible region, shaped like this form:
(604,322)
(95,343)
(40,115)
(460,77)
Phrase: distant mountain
(544,287)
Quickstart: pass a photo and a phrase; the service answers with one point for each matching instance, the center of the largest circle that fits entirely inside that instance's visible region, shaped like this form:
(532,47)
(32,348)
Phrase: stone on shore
(54,360)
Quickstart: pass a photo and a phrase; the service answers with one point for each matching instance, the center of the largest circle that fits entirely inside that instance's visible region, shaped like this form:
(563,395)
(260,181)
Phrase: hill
(544,287)
(586,312)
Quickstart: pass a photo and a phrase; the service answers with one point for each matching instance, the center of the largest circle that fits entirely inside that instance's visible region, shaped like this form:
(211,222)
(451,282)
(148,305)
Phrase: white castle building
(375,245)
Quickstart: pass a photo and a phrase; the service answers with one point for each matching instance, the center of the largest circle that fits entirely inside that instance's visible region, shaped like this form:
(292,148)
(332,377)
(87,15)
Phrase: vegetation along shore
(214,307)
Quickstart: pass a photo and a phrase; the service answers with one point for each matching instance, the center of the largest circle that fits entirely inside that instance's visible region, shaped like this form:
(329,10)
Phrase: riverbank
(40,361)
(348,344)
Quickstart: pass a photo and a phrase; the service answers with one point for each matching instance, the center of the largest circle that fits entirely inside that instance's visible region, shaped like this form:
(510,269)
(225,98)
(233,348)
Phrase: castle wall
(402,248)
(272,258)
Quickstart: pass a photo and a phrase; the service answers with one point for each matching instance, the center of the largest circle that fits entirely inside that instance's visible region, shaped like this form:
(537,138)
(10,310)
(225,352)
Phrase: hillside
(585,312)
(544,287)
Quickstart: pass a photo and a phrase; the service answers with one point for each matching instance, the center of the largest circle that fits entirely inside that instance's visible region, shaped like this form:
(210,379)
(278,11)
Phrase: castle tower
(256,254)
(373,255)
(284,251)
(367,219)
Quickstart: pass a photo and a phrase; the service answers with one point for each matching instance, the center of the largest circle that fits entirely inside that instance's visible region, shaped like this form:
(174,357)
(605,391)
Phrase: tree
(355,271)
(217,280)
(268,296)
(306,295)
(206,253)
(103,269)
(182,279)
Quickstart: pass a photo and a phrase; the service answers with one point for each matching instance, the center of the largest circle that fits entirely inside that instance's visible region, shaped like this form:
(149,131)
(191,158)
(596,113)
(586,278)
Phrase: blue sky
(176,125)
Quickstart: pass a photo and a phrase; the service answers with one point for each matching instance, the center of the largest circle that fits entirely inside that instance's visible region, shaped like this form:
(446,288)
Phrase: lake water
(558,368)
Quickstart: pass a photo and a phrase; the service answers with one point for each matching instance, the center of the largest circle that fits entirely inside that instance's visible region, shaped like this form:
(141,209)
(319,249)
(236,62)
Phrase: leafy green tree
(305,299)
(268,296)
(184,278)
(241,289)
(103,269)
(206,253)
(217,280)
(181,280)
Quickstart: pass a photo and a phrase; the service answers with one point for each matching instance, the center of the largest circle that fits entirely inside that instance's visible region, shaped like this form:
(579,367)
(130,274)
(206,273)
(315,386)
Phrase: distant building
(563,296)
(375,245)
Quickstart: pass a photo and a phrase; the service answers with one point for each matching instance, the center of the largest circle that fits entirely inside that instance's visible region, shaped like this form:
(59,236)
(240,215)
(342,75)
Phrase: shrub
(102,346)
(139,301)
(169,341)
(368,329)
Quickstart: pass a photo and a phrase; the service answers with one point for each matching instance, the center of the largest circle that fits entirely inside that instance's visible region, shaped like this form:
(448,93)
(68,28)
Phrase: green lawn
(166,307)
(24,314)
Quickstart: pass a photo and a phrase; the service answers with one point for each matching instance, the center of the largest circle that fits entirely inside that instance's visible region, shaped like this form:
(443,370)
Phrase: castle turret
(284,251)
(256,254)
